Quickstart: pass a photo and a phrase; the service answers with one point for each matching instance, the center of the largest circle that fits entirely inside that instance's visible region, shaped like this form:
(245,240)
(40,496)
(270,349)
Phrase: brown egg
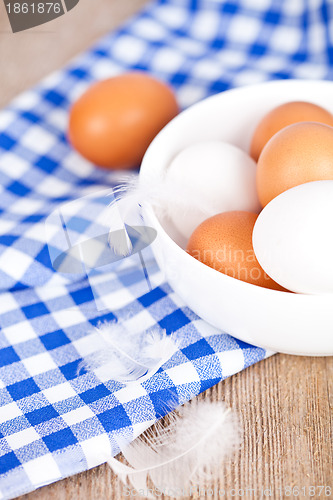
(224,242)
(299,153)
(113,123)
(284,115)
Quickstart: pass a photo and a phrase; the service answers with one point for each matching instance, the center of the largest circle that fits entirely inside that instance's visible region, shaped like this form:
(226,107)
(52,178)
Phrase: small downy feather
(181,455)
(129,356)
(132,193)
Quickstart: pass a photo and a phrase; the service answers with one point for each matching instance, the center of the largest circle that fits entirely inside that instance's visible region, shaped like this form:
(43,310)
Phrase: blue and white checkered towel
(54,422)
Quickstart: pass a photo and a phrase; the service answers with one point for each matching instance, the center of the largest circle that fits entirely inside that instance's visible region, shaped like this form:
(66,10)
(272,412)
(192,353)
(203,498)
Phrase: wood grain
(285,402)
(28,56)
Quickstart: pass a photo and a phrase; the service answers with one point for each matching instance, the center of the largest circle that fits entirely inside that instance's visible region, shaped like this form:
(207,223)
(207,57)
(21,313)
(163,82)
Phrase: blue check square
(114,419)
(174,321)
(8,356)
(6,142)
(71,370)
(198,350)
(42,415)
(59,440)
(18,188)
(35,310)
(8,462)
(23,389)
(55,339)
(95,394)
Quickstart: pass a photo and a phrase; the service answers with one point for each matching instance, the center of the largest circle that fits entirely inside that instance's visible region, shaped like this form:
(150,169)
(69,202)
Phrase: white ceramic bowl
(279,321)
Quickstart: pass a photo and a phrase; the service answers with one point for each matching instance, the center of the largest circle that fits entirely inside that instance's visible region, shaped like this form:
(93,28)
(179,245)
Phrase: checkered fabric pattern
(54,421)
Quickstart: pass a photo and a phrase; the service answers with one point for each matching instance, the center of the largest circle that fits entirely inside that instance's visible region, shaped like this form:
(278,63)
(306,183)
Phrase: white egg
(213,177)
(293,238)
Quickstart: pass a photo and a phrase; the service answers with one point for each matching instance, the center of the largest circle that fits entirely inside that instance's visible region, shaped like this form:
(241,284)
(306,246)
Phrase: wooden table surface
(284,402)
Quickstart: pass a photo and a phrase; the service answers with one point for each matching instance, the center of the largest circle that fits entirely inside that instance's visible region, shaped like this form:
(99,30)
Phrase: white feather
(133,193)
(183,454)
(129,356)
(128,198)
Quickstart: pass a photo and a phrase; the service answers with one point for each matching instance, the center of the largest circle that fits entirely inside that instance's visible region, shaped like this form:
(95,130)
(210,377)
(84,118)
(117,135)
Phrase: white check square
(112,301)
(42,470)
(167,59)
(36,232)
(27,100)
(68,318)
(183,374)
(6,226)
(20,332)
(231,362)
(6,117)
(22,438)
(286,39)
(39,140)
(41,363)
(205,24)
(48,292)
(26,206)
(53,187)
(130,392)
(7,303)
(89,344)
(78,415)
(15,263)
(244,29)
(12,165)
(59,392)
(9,412)
(140,322)
(96,450)
(129,49)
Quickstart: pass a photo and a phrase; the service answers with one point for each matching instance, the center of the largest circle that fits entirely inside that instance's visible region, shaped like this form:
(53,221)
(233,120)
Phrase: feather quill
(129,356)
(125,204)
(131,194)
(189,450)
